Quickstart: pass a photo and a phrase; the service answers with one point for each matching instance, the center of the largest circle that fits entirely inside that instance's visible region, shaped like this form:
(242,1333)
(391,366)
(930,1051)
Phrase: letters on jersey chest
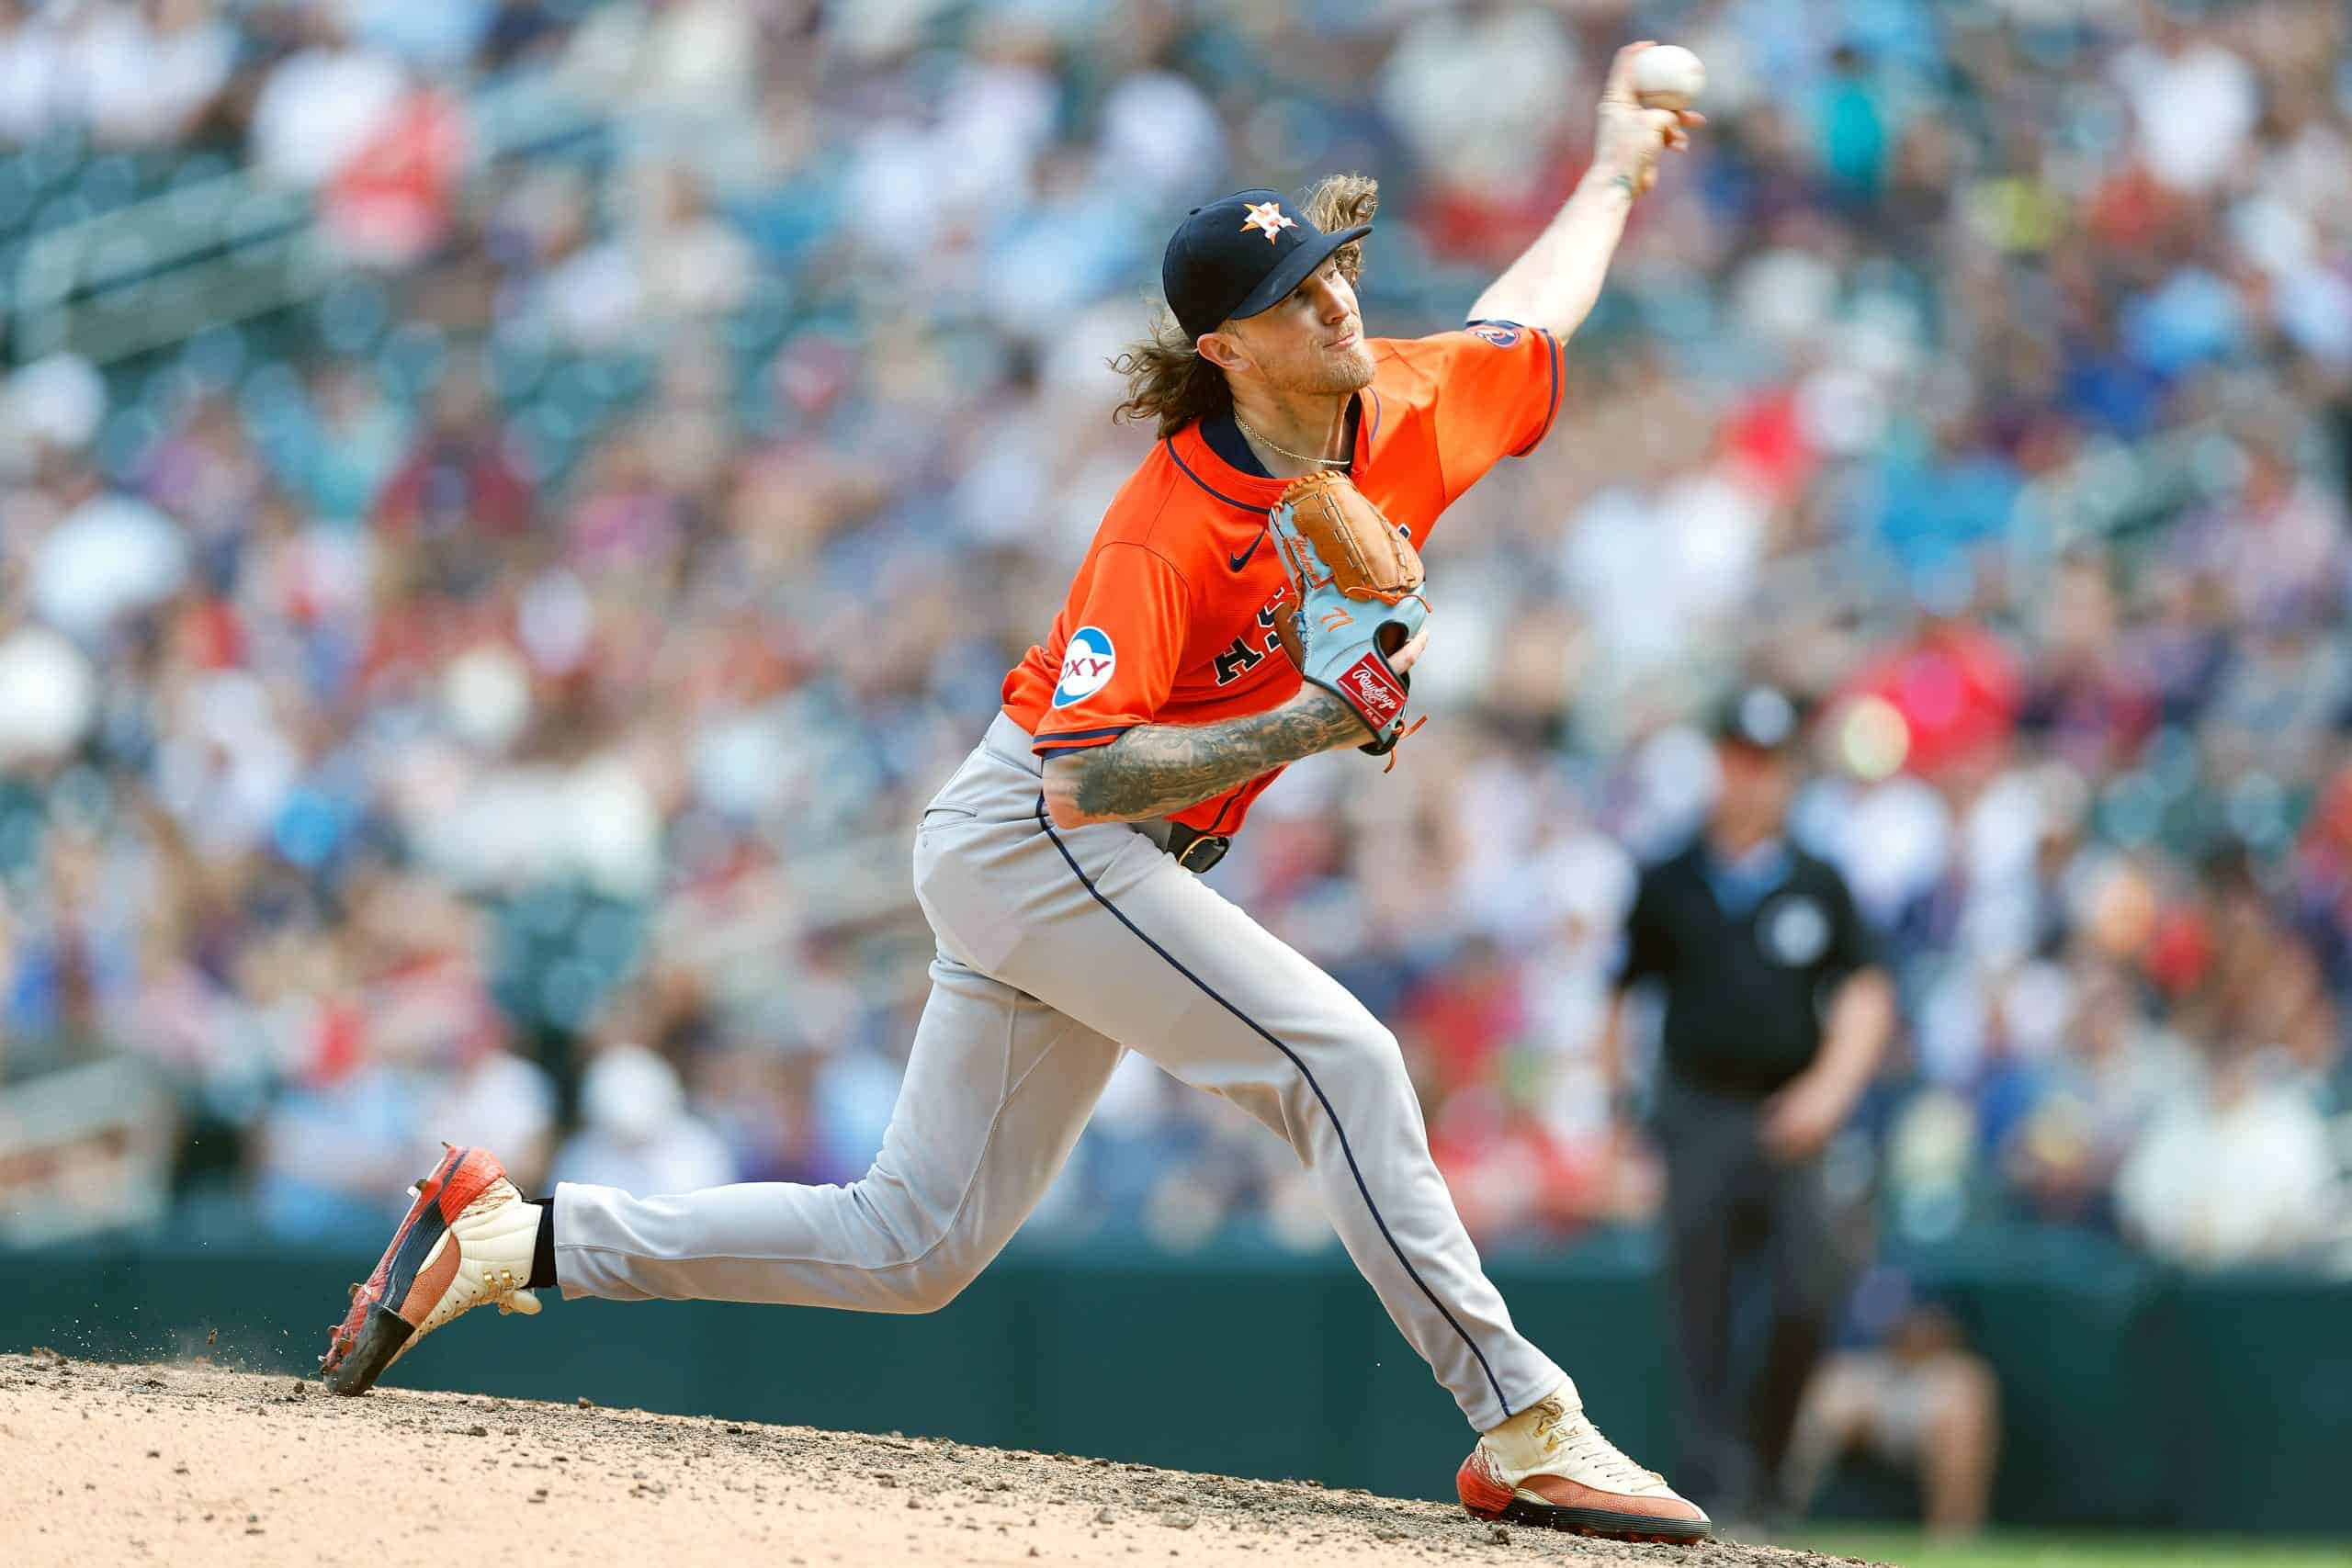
(1250,649)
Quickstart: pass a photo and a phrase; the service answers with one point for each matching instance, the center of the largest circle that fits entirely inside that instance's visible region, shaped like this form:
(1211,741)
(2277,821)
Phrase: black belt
(1196,850)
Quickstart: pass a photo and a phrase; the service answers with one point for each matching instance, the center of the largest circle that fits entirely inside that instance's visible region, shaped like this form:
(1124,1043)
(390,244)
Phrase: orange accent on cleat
(431,1280)
(1484,1493)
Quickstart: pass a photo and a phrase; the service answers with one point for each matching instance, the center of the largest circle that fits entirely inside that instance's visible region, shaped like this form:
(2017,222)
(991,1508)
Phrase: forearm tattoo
(1154,769)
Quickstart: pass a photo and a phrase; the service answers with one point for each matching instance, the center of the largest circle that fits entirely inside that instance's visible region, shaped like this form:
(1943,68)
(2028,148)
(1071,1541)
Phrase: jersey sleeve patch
(1088,663)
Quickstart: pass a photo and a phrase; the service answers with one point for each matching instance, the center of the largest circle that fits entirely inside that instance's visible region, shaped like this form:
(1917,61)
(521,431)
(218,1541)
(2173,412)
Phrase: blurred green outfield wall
(2133,1396)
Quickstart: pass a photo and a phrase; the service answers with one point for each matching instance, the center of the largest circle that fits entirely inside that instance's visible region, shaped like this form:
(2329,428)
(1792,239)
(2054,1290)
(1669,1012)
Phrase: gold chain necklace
(1294,456)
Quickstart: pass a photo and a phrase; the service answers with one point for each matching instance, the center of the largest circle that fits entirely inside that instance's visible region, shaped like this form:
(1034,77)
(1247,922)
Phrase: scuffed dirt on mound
(104,1464)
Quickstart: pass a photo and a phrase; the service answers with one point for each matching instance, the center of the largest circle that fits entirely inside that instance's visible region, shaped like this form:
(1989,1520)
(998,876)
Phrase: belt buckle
(1203,852)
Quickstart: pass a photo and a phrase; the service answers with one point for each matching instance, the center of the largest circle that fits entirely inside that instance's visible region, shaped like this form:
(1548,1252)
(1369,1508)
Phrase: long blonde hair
(1168,382)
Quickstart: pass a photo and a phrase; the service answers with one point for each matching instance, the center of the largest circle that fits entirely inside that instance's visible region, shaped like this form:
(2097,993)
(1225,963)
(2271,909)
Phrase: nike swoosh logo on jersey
(1237,562)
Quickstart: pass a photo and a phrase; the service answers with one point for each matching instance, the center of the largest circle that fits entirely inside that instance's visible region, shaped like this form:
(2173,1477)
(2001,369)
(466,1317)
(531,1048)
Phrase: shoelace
(1581,1444)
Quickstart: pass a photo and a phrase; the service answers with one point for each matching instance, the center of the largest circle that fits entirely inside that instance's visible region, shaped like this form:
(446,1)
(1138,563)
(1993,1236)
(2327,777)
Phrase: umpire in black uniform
(1777,1012)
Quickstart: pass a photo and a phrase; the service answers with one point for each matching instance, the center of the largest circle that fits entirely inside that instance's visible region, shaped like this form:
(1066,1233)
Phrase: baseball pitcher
(1253,596)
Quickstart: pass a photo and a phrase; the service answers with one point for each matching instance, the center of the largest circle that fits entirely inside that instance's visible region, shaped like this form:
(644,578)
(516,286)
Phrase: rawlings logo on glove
(1376,692)
(1357,581)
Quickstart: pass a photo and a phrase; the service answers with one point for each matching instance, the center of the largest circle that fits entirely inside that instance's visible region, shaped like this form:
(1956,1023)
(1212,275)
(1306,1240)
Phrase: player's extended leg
(998,1087)
(1155,958)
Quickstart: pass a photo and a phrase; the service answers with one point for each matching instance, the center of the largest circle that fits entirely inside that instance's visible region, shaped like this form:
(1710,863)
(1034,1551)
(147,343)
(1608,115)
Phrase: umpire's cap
(1761,717)
(1241,256)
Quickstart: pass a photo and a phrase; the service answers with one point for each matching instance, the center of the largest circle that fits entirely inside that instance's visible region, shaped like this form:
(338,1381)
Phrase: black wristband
(543,1248)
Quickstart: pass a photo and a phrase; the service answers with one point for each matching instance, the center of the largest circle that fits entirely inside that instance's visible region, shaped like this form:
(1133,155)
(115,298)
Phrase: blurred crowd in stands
(488,700)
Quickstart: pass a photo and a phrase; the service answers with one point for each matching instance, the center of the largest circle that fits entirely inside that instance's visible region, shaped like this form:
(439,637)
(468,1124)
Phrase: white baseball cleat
(467,1242)
(1550,1466)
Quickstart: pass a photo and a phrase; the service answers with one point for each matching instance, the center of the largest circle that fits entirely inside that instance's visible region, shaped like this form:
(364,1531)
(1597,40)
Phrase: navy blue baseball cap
(1240,256)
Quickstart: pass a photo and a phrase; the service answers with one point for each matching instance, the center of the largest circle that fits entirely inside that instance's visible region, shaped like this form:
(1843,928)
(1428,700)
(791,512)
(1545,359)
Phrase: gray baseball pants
(1058,950)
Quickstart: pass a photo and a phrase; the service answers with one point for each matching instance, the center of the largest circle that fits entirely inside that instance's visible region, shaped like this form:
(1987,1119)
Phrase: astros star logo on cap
(1268,216)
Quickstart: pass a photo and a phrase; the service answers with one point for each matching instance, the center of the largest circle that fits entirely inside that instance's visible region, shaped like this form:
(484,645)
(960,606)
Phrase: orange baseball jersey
(1171,618)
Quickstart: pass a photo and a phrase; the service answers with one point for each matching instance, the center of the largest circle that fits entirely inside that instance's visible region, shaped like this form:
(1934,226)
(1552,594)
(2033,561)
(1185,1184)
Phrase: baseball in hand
(1667,76)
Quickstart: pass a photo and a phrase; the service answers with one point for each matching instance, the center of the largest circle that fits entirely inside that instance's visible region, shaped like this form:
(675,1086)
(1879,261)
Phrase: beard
(1332,372)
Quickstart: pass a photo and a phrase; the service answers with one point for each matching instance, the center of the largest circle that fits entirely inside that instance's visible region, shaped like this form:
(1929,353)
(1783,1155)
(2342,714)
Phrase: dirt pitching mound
(180,1464)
